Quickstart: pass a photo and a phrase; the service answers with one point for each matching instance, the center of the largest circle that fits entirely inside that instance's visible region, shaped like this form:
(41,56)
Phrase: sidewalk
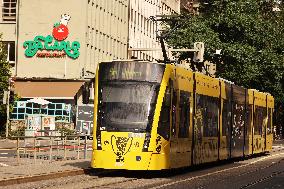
(41,168)
(8,144)
(10,170)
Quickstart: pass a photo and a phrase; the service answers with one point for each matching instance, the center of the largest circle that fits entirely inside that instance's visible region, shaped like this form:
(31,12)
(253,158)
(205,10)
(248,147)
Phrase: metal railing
(51,147)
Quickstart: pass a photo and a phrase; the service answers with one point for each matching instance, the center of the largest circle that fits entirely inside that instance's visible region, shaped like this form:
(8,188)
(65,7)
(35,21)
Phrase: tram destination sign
(138,71)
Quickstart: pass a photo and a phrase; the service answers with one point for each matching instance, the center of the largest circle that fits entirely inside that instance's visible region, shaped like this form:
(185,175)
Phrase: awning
(47,89)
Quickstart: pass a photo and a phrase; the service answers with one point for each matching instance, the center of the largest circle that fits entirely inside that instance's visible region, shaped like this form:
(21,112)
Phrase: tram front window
(127,106)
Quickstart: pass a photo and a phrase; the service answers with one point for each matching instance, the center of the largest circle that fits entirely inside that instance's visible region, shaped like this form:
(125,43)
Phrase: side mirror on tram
(85,94)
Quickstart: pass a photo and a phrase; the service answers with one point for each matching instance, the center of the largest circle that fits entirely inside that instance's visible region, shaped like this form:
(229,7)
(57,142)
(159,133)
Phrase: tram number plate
(119,164)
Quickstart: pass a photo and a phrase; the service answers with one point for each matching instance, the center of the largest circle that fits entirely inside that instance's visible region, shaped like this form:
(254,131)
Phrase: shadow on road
(168,173)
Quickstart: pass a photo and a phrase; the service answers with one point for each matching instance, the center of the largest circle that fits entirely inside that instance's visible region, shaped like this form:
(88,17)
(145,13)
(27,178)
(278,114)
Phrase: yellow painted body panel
(107,160)
(180,151)
(206,151)
(259,99)
(269,140)
(224,151)
(250,145)
(206,85)
(258,144)
(250,137)
(250,93)
(123,150)
(270,101)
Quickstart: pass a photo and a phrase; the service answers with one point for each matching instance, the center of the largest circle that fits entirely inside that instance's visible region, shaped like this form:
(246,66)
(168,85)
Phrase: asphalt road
(6,153)
(5,156)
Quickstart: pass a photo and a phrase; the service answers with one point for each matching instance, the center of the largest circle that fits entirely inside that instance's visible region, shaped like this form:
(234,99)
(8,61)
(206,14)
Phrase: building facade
(54,46)
(142,29)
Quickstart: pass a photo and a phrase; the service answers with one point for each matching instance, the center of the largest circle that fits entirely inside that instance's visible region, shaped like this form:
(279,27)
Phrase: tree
(4,81)
(251,36)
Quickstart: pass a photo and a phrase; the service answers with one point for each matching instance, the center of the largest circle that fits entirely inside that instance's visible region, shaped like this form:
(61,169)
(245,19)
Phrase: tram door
(183,124)
(224,151)
(238,121)
(174,159)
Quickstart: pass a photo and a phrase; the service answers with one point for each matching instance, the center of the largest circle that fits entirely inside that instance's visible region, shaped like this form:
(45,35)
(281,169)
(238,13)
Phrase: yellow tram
(152,116)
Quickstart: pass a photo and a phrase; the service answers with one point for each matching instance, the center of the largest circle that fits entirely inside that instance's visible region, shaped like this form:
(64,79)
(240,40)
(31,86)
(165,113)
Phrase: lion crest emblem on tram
(120,147)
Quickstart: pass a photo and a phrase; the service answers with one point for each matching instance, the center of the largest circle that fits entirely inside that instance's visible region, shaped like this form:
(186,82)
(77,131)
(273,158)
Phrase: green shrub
(17,132)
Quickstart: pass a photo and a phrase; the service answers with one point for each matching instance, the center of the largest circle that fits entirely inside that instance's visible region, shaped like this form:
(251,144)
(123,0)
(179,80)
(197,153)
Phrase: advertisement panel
(33,125)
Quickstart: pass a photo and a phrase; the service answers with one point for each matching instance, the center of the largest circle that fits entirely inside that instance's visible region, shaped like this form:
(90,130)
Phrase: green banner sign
(48,43)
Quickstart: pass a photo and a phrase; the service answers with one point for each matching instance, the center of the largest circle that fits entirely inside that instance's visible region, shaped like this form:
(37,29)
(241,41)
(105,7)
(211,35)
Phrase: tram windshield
(127,106)
(127,95)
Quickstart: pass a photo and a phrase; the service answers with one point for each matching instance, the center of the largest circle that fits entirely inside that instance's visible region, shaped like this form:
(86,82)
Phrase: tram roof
(134,60)
(161,63)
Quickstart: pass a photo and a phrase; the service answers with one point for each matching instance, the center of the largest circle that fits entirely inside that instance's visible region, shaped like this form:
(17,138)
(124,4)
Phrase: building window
(61,111)
(10,49)
(9,10)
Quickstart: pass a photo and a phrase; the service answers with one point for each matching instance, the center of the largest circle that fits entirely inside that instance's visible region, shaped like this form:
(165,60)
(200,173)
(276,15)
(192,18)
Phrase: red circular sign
(60,32)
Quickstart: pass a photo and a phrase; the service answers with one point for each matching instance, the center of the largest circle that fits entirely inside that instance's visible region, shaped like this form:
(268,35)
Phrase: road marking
(5,149)
(3,157)
(4,165)
(220,171)
(3,153)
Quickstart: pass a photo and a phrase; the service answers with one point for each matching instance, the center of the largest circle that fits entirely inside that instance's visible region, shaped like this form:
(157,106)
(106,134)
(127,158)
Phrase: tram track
(262,179)
(89,180)
(49,176)
(189,179)
(111,183)
(251,172)
(26,179)
(96,176)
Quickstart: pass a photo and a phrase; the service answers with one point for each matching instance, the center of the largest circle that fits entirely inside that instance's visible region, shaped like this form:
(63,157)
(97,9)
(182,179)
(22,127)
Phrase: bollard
(50,148)
(74,142)
(78,148)
(34,149)
(25,144)
(57,146)
(85,147)
(64,144)
(18,152)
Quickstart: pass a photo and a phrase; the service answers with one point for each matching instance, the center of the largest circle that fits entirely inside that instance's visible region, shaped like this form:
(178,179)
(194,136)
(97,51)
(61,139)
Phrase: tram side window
(269,125)
(184,105)
(206,116)
(200,117)
(226,118)
(259,120)
(211,128)
(164,121)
